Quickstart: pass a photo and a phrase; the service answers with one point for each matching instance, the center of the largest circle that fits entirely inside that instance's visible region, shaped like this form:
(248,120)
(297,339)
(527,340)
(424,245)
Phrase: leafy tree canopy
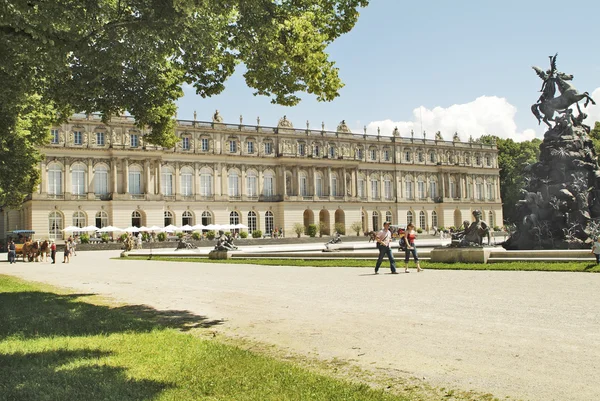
(111,56)
(595,135)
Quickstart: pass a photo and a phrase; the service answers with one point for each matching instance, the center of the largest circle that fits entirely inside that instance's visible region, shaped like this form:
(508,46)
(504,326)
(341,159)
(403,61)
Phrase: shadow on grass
(32,314)
(70,375)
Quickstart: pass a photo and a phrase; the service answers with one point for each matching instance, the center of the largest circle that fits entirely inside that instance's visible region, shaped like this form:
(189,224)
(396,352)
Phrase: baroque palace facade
(263,177)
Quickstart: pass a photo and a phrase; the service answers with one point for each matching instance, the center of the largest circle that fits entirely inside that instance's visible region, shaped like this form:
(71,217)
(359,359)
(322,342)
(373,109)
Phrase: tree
(356,227)
(512,157)
(595,135)
(111,56)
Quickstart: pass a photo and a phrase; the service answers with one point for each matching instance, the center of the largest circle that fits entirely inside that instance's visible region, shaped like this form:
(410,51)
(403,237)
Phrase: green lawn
(524,266)
(60,346)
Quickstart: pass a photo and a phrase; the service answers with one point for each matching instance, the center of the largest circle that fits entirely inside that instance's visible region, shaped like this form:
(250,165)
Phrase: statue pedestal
(464,255)
(219,255)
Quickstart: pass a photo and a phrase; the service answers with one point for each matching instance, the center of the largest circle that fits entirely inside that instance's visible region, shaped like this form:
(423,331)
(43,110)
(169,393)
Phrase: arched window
(490,190)
(409,217)
(432,158)
(269,183)
(55,179)
(78,179)
(101,219)
(166,181)
(234,183)
(376,224)
(303,184)
(374,187)
(422,220)
(433,188)
(479,189)
(206,179)
(251,184)
(136,219)
(79,219)
(453,192)
(269,222)
(187,181)
(387,188)
(491,219)
(408,188)
(207,218)
(168,218)
(319,184)
(421,188)
(362,186)
(187,218)
(55,225)
(101,180)
(434,219)
(252,222)
(135,180)
(234,218)
(388,217)
(334,185)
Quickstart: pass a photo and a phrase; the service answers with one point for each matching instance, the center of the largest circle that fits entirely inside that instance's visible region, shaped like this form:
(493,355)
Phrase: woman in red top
(411,235)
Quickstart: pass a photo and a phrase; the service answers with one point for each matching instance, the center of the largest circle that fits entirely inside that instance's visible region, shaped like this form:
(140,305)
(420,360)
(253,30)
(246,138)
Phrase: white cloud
(592,111)
(485,115)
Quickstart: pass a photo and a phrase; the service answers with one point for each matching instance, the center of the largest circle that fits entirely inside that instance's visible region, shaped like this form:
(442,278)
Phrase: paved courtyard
(530,335)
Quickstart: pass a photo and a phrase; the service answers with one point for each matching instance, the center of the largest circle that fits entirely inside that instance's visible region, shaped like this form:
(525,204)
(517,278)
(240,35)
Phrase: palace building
(263,177)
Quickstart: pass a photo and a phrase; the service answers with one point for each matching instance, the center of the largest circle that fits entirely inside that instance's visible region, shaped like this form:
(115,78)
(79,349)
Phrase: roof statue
(438,136)
(342,127)
(456,138)
(217,117)
(396,132)
(284,123)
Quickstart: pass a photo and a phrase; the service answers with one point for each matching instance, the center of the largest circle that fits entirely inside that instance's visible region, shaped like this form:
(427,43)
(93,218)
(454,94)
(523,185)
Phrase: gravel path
(529,335)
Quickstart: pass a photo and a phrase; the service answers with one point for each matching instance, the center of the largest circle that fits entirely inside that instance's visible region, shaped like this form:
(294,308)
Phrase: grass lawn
(61,346)
(524,266)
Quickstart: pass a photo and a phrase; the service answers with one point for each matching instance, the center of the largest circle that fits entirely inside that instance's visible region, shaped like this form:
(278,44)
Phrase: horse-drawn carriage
(28,249)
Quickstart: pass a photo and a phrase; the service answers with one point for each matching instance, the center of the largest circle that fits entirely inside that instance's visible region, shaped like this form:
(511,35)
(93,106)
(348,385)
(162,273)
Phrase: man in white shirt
(383,239)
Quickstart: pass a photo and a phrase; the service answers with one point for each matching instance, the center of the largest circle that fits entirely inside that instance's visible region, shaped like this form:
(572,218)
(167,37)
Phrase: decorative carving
(284,123)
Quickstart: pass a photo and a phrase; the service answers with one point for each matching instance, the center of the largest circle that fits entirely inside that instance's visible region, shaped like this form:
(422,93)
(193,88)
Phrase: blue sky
(452,66)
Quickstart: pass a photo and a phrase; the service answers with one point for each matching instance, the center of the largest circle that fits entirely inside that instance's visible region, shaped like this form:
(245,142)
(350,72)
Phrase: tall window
(421,188)
(100,138)
(432,158)
(479,190)
(187,218)
(101,180)
(101,219)
(316,150)
(135,140)
(54,138)
(362,187)
(234,218)
(469,188)
(422,220)
(232,146)
(250,145)
(375,217)
(388,216)
(407,157)
(421,157)
(433,188)
(79,219)
(269,222)
(488,161)
(302,149)
(331,152)
(234,183)
(409,217)
(359,153)
(319,185)
(186,177)
(204,144)
(453,192)
(205,182)
(77,137)
(268,184)
(408,188)
(387,188)
(135,180)
(168,218)
(251,183)
(490,190)
(491,221)
(78,179)
(334,186)
(166,181)
(434,219)
(136,219)
(55,225)
(386,155)
(252,226)
(185,143)
(478,159)
(303,184)
(207,218)
(374,188)
(268,148)
(373,153)
(55,180)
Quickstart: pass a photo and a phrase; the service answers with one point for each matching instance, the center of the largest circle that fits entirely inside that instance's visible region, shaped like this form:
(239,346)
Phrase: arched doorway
(136,219)
(324,224)
(457,218)
(309,218)
(340,221)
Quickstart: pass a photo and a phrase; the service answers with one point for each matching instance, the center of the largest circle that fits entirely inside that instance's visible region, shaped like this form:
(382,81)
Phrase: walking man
(383,239)
(53,252)
(12,252)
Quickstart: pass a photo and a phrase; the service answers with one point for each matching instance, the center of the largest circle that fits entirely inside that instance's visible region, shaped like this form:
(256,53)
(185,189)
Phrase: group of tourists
(407,237)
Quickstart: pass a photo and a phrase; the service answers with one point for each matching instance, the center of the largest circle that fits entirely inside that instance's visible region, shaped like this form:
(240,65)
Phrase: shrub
(322,229)
(356,227)
(256,234)
(298,229)
(210,235)
(84,238)
(419,230)
(196,236)
(161,236)
(341,228)
(312,230)
(452,228)
(145,236)
(179,235)
(123,237)
(105,238)
(497,229)
(244,234)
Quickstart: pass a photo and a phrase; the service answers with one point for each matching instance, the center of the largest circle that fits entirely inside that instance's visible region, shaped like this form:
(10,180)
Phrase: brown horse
(371,235)
(44,251)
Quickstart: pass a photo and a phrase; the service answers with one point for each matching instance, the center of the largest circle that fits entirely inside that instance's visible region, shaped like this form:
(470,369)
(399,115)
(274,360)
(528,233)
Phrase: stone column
(90,179)
(126,176)
(354,182)
(344,183)
(176,188)
(329,184)
(113,176)
(296,183)
(196,190)
(243,189)
(147,177)
(283,182)
(260,184)
(314,180)
(43,177)
(224,181)
(67,189)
